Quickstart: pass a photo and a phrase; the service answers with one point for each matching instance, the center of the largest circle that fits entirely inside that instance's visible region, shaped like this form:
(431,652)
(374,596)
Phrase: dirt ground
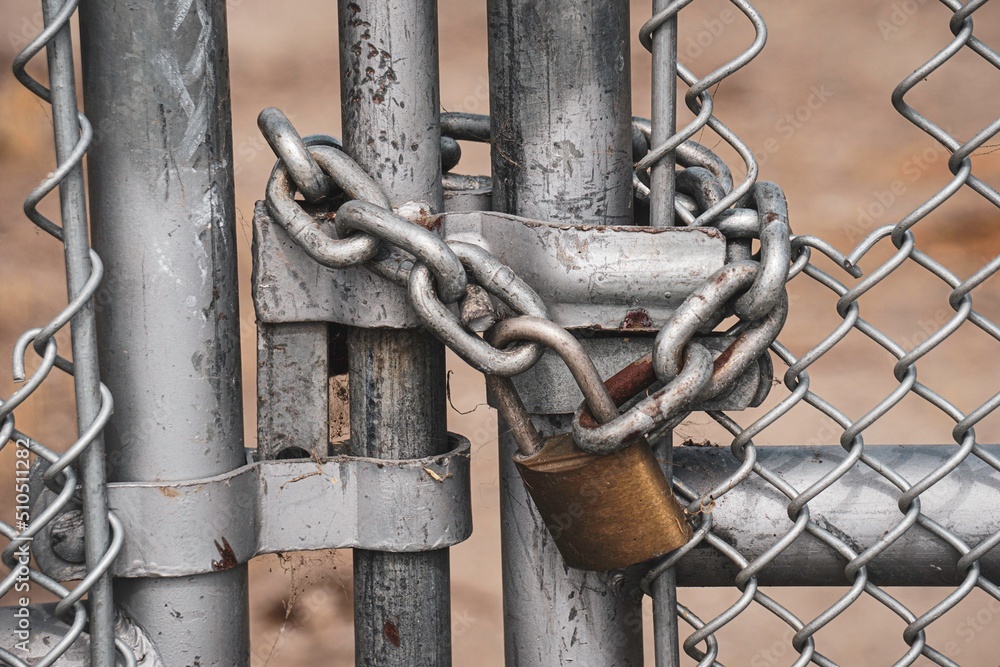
(816,108)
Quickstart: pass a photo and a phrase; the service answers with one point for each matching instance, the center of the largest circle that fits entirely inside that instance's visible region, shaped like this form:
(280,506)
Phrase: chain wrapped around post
(457,289)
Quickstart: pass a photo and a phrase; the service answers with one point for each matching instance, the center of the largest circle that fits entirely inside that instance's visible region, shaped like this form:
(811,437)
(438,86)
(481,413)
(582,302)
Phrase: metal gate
(615,278)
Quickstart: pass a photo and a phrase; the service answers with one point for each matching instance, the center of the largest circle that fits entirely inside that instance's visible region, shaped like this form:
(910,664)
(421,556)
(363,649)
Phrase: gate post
(662,188)
(156,88)
(391,126)
(560,104)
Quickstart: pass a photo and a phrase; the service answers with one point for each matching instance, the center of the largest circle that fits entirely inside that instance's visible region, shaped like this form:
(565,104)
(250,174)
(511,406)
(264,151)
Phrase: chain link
(438,274)
(314,183)
(435,277)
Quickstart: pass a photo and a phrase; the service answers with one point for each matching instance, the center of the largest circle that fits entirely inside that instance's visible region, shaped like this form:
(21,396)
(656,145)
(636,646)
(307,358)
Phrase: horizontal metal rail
(859,508)
(423,504)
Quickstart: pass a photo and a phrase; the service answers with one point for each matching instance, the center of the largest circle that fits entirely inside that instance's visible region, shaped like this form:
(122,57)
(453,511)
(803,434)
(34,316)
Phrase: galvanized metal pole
(156,88)
(666,634)
(661,214)
(560,102)
(663,118)
(390,99)
(83,330)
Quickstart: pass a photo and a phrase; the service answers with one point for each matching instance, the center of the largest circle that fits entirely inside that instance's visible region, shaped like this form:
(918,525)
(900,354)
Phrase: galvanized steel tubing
(389,92)
(560,107)
(161,186)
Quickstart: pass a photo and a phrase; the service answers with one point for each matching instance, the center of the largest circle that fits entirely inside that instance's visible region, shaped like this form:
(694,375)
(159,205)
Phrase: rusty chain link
(436,276)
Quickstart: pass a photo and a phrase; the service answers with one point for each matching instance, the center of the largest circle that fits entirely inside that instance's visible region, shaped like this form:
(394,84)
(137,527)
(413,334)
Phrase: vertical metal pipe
(86,372)
(156,87)
(390,95)
(661,214)
(402,607)
(664,119)
(390,98)
(666,634)
(560,102)
(554,615)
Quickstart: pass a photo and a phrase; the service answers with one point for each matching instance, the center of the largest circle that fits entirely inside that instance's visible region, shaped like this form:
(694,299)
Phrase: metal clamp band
(219,522)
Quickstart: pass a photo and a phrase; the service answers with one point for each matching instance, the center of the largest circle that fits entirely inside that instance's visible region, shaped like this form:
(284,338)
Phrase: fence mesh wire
(886,254)
(38,348)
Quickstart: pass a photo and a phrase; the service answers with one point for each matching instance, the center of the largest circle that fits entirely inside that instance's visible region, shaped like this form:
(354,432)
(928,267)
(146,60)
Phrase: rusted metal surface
(227,558)
(548,387)
(390,102)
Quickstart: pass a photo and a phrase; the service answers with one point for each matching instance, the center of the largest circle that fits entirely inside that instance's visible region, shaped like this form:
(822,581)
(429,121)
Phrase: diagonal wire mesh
(702,644)
(63,475)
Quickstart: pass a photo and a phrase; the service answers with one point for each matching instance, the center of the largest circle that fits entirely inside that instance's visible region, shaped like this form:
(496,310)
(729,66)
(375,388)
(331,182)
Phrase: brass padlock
(604,511)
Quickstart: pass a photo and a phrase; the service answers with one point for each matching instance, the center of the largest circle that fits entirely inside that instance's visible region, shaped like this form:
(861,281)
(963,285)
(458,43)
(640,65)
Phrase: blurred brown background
(814,105)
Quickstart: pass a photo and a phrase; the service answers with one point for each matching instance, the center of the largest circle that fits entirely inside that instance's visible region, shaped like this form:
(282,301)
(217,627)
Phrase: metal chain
(436,276)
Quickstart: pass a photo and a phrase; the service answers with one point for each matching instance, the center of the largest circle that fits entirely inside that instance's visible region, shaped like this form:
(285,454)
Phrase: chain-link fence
(75,476)
(845,501)
(655,248)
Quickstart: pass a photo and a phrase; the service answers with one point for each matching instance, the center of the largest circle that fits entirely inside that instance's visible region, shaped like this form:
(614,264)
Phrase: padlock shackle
(510,406)
(572,352)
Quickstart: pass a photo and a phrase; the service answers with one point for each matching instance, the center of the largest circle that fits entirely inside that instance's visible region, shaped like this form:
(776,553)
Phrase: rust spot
(703,443)
(632,379)
(431,222)
(354,8)
(770,217)
(227,558)
(723,358)
(391,633)
(637,318)
(587,419)
(169,492)
(721,279)
(625,384)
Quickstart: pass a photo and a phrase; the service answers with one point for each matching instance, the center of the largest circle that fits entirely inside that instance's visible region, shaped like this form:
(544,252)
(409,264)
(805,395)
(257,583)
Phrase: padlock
(604,512)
